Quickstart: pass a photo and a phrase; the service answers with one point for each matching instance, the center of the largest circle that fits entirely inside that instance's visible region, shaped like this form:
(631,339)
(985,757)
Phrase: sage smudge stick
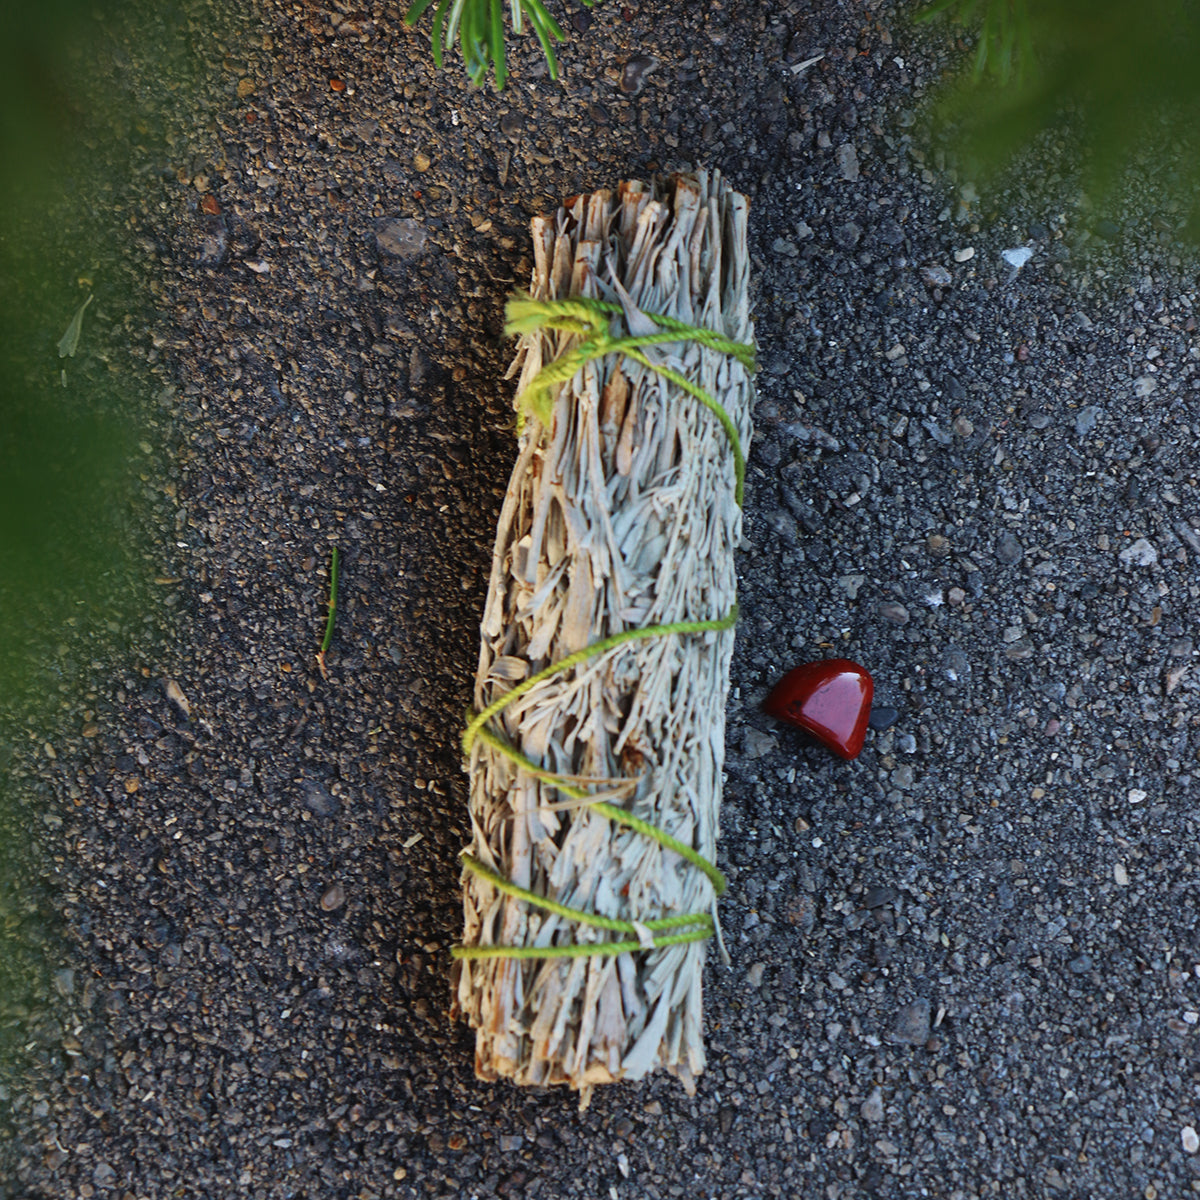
(597,745)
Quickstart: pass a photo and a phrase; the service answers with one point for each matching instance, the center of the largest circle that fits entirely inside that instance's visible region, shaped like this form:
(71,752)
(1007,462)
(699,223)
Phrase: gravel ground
(963,965)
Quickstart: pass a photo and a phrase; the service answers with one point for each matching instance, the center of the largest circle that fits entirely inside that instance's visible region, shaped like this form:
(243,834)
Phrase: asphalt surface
(964,965)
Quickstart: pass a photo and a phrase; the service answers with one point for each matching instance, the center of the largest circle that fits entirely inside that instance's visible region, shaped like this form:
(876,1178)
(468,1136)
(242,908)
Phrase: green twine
(589,320)
(613,924)
(565,664)
(620,816)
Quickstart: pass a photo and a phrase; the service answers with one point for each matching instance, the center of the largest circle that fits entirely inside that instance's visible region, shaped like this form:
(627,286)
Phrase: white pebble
(1018,257)
(964,255)
(1141,554)
(1136,795)
(1120,875)
(1190,1139)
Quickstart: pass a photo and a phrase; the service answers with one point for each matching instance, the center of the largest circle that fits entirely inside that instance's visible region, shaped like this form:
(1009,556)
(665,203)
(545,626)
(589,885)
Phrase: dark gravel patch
(964,964)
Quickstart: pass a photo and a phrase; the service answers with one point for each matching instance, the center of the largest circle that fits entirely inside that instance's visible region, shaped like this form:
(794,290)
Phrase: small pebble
(1190,536)
(757,744)
(176,697)
(890,233)
(1085,420)
(633,76)
(512,125)
(1190,1139)
(964,255)
(883,717)
(334,897)
(400,237)
(1017,258)
(911,1026)
(846,236)
(1120,875)
(851,584)
(893,612)
(936,432)
(318,800)
(1008,549)
(872,1107)
(1140,554)
(936,277)
(847,161)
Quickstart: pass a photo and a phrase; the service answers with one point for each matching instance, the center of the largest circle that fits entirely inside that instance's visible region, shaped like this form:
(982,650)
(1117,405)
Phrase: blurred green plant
(478,27)
(1127,75)
(86,90)
(1005,35)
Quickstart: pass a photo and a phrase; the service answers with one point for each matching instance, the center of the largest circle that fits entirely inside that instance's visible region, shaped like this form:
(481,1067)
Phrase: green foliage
(1125,73)
(1005,39)
(478,27)
(86,91)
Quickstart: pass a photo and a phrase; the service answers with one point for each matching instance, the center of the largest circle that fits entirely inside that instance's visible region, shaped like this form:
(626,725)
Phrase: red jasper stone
(830,700)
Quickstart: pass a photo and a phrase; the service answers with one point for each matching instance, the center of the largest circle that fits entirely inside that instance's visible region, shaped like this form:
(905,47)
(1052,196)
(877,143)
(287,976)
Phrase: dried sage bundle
(596,756)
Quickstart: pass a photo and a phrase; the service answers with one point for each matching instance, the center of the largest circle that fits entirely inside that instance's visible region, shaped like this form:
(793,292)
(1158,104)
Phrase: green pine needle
(329,621)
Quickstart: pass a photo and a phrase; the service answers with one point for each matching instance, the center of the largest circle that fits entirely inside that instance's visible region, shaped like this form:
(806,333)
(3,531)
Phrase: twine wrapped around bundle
(597,746)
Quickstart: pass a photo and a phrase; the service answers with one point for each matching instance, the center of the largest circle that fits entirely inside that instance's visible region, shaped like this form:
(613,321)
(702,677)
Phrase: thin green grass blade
(547,48)
(1005,57)
(439,18)
(69,342)
(1025,33)
(981,55)
(936,10)
(497,32)
(333,591)
(539,15)
(473,40)
(453,22)
(416,11)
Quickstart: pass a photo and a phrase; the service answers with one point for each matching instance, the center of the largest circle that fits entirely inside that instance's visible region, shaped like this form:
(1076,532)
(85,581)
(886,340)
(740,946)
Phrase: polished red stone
(830,700)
